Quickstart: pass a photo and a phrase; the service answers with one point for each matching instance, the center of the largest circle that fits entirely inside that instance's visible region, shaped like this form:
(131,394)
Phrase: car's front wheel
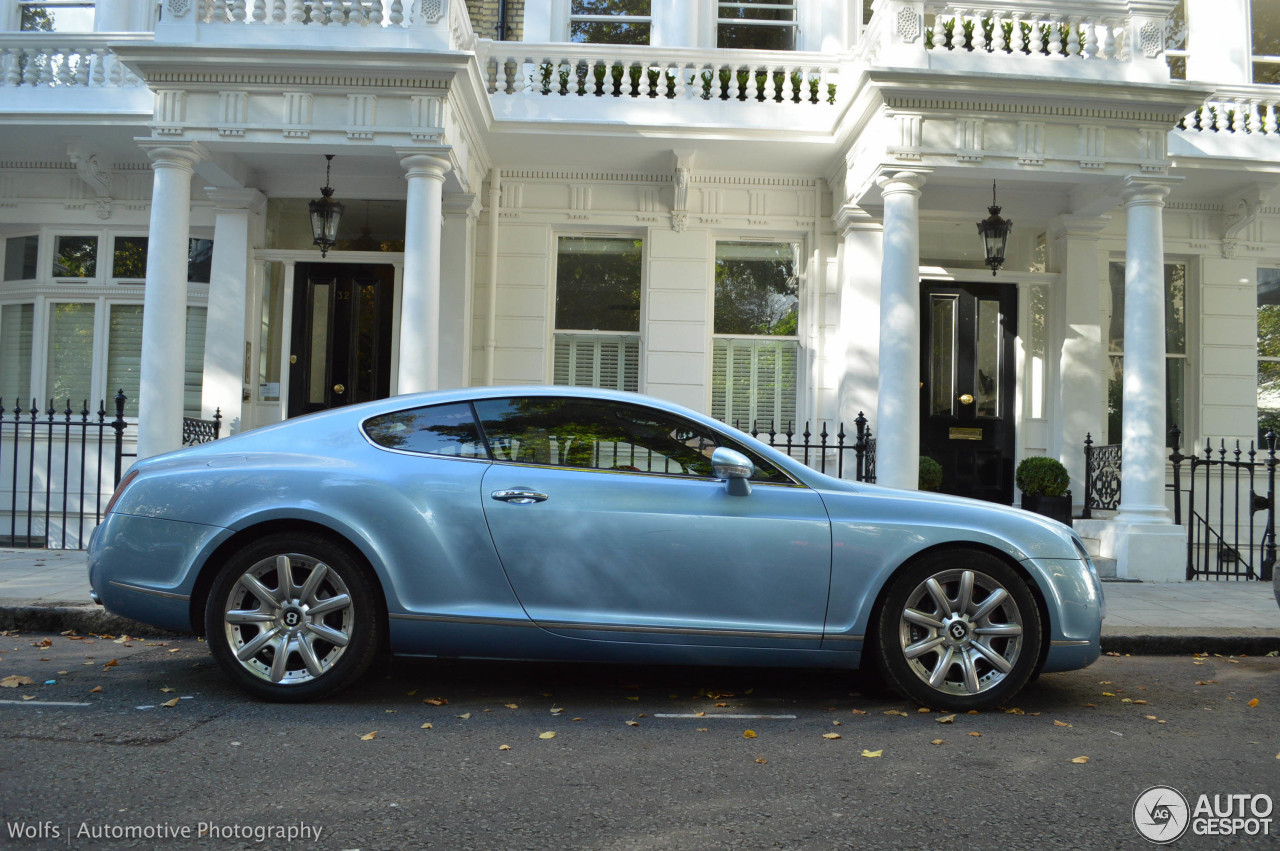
(293,617)
(959,630)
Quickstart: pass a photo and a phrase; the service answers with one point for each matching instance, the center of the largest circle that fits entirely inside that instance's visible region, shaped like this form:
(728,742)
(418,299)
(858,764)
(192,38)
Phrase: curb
(1136,641)
(83,619)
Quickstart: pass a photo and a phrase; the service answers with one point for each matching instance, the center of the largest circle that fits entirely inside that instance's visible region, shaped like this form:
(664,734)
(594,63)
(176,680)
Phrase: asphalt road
(642,758)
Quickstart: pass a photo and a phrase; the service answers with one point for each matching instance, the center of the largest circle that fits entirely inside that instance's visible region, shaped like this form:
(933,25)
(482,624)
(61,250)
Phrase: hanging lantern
(995,234)
(325,214)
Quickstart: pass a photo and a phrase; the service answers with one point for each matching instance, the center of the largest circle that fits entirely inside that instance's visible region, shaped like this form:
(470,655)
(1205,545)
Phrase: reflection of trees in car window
(434,430)
(602,435)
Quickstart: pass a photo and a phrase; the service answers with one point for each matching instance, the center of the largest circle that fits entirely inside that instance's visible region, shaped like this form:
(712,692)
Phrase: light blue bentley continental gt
(578,524)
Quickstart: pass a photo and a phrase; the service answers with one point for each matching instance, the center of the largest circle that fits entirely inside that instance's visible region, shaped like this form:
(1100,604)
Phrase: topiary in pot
(1043,482)
(930,474)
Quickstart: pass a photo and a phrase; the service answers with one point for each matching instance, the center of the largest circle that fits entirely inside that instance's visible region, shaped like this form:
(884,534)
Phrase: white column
(456,289)
(897,419)
(224,382)
(1076,307)
(1143,450)
(164,316)
(420,303)
(859,331)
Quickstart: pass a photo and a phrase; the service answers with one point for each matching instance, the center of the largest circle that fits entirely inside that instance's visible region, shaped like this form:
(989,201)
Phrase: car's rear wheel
(959,630)
(294,617)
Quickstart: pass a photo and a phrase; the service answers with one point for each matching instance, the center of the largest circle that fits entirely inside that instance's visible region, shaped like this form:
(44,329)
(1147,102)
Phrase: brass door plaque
(966,434)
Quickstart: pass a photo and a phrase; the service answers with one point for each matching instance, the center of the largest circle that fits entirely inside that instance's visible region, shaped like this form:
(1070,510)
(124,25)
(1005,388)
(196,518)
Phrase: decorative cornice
(1040,109)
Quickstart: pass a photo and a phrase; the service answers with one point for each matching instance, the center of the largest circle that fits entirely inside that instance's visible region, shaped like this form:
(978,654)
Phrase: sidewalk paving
(49,590)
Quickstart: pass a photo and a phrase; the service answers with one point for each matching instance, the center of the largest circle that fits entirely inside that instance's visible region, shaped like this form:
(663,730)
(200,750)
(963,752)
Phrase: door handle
(966,399)
(339,389)
(519,496)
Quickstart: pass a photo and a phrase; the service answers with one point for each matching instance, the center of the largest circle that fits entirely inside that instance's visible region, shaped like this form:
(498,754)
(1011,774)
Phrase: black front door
(341,344)
(967,386)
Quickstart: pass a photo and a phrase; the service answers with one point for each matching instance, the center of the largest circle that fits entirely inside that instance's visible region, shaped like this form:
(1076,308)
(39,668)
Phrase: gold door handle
(338,388)
(966,399)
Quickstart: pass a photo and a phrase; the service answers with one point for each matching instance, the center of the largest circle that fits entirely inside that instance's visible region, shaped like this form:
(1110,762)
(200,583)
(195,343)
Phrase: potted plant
(930,474)
(1043,482)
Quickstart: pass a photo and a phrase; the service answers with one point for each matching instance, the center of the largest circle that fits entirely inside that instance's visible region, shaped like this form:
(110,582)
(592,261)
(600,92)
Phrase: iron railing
(1223,538)
(1101,478)
(826,455)
(56,465)
(195,430)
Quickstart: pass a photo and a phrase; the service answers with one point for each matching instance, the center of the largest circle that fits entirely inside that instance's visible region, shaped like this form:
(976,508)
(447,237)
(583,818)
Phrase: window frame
(79,4)
(1259,358)
(794,24)
(571,18)
(1256,59)
(579,334)
(798,246)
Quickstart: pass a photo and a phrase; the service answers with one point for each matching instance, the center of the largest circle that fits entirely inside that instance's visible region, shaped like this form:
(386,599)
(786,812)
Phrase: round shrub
(1041,476)
(930,474)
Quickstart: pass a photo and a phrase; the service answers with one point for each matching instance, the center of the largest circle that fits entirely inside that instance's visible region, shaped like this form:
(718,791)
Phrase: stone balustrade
(70,60)
(520,69)
(1246,111)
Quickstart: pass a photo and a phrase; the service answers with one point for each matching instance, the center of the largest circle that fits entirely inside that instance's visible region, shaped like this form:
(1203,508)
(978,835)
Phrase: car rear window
(433,430)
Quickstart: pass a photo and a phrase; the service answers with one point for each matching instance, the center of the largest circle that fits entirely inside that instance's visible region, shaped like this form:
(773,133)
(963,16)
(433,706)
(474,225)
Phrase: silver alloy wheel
(961,632)
(289,619)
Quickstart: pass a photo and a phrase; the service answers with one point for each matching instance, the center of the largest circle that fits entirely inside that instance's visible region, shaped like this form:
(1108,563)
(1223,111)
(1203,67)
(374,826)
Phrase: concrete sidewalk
(49,590)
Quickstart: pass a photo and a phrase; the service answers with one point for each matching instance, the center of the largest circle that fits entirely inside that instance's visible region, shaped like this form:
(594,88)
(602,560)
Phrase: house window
(755,351)
(757,25)
(1176,35)
(1268,352)
(16,324)
(54,16)
(610,21)
(20,258)
(69,367)
(75,257)
(1175,335)
(1265,28)
(597,337)
(129,259)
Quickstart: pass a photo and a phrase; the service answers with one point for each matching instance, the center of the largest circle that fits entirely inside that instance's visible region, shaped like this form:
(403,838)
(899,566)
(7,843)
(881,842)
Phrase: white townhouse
(763,209)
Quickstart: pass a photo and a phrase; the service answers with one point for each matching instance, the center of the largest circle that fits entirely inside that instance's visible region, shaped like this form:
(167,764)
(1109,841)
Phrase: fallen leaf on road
(973,712)
(859,712)
(762,761)
(924,710)
(175,649)
(410,693)
(1253,702)
(166,689)
(836,724)
(1014,711)
(633,723)
(435,701)
(369,737)
(936,742)
(504,747)
(171,703)
(699,714)
(1080,760)
(872,754)
(28,697)
(13,681)
(44,642)
(1061,724)
(722,704)
(1206,682)
(976,735)
(632,697)
(512,705)
(749,734)
(895,712)
(95,690)
(1139,703)
(556,710)
(831,736)
(547,735)
(945,719)
(464,716)
(112,664)
(426,726)
(1107,694)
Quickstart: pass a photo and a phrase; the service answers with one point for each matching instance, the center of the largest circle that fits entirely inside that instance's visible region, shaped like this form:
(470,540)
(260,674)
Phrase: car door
(610,526)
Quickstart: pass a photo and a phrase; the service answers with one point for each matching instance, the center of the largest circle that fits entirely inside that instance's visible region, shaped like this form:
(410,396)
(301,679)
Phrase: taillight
(124,483)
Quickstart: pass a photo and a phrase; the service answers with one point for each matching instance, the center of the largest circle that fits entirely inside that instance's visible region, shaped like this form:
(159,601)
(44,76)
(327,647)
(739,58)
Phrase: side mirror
(737,468)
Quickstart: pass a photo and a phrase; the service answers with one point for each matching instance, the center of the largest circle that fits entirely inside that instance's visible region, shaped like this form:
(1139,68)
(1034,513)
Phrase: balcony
(81,68)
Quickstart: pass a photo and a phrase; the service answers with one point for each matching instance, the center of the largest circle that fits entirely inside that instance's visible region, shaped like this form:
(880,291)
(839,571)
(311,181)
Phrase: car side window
(448,430)
(600,435)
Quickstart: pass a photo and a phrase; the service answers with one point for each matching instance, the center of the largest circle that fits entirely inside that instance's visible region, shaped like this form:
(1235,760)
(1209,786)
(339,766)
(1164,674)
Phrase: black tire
(947,654)
(283,640)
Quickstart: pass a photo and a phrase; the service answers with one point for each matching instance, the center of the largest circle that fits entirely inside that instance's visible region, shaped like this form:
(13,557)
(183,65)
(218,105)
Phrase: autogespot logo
(1161,814)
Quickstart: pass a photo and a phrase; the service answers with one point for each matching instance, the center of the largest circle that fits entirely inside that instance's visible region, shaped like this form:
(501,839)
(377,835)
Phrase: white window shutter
(69,369)
(124,353)
(609,361)
(16,324)
(754,382)
(193,382)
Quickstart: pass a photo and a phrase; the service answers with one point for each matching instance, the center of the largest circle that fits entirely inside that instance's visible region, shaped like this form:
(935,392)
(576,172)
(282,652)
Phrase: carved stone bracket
(94,173)
(681,177)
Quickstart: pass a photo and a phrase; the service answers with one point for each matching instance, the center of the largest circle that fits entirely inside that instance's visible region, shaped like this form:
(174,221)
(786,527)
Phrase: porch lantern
(995,234)
(325,214)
